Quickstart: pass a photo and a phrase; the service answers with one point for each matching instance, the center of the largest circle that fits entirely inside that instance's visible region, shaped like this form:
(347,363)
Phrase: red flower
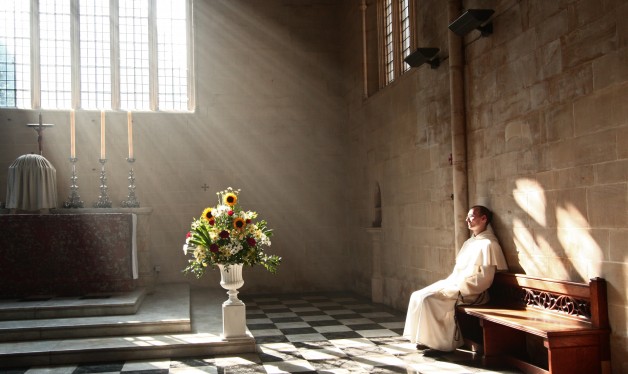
(212,221)
(224,234)
(214,247)
(188,234)
(251,242)
(248,221)
(230,213)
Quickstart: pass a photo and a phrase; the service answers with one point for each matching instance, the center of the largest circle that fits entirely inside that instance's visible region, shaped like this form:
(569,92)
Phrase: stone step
(165,311)
(47,307)
(165,304)
(141,347)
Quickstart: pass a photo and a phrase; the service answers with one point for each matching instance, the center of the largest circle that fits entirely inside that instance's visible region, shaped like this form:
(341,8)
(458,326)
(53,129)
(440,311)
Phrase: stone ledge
(146,210)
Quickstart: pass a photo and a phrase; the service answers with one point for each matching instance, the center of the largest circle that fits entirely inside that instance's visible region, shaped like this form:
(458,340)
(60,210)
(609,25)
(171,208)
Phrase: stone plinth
(233,321)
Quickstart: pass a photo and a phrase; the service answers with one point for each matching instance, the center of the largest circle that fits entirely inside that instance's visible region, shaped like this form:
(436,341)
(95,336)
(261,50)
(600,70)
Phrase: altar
(74,252)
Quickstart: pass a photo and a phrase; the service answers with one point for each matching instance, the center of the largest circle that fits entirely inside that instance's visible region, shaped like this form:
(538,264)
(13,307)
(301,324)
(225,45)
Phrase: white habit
(430,318)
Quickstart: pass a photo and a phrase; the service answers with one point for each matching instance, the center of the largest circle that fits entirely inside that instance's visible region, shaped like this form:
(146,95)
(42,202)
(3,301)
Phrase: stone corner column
(377,283)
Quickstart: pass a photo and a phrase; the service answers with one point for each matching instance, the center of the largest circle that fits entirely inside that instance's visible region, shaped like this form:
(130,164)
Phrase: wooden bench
(540,325)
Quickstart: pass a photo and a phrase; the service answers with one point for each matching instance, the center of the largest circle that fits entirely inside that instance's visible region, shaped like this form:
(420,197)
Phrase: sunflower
(239,223)
(207,214)
(230,199)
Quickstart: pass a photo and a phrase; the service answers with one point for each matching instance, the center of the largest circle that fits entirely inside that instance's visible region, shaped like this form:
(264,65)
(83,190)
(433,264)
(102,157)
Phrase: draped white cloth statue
(430,318)
(31,184)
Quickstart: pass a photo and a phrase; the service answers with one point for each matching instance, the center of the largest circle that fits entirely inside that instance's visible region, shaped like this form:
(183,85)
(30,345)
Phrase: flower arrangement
(226,234)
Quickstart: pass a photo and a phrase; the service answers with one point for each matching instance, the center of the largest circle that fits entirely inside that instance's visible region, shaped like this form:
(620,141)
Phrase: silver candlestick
(74,200)
(131,200)
(103,199)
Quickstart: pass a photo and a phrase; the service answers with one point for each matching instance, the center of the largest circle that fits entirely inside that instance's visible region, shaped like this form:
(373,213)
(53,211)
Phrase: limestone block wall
(399,143)
(547,150)
(548,124)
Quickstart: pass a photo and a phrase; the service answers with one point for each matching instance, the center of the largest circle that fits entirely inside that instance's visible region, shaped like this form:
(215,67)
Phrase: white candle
(72,135)
(102,134)
(129,120)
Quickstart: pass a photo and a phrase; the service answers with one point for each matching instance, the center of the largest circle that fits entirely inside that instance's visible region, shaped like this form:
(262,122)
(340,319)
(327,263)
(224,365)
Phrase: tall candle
(129,120)
(72,135)
(102,134)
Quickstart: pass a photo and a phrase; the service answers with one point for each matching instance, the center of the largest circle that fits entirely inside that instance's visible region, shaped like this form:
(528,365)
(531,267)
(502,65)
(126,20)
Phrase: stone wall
(547,149)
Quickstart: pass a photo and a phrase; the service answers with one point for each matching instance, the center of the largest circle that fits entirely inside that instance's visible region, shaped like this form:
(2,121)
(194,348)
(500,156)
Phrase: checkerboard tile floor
(322,333)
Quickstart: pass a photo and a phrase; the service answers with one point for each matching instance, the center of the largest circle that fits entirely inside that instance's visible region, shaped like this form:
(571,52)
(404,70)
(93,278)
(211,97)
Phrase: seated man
(430,321)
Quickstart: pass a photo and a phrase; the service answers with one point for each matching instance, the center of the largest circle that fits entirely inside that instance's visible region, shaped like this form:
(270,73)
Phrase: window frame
(396,63)
(115,103)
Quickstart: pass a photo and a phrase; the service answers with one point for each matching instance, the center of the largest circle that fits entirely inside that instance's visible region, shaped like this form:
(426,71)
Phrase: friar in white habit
(430,321)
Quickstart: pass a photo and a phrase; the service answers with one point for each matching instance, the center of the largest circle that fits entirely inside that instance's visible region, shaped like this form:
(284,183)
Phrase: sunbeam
(530,196)
(574,234)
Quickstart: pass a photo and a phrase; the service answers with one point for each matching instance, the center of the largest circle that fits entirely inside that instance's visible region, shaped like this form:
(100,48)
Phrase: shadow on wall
(557,232)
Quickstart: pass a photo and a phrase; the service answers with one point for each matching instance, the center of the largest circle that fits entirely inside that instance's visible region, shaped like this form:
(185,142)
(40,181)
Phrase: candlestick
(74,200)
(102,135)
(129,120)
(40,120)
(103,199)
(72,135)
(131,200)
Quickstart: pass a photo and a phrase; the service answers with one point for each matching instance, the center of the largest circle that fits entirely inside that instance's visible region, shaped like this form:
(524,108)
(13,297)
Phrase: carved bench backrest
(575,300)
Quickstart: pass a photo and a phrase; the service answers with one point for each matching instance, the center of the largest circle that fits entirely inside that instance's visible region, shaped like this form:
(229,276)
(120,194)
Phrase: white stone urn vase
(233,310)
(231,280)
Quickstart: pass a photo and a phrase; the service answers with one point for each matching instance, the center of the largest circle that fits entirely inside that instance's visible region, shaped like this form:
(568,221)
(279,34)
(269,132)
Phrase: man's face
(475,222)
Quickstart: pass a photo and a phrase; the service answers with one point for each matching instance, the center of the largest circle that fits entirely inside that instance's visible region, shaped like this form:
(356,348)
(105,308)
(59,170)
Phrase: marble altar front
(69,253)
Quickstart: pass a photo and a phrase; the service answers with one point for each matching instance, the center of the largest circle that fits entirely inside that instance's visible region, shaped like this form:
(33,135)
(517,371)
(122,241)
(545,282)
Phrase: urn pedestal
(233,309)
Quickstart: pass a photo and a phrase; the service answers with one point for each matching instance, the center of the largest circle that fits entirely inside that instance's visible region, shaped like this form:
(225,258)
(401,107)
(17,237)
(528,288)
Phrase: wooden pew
(541,325)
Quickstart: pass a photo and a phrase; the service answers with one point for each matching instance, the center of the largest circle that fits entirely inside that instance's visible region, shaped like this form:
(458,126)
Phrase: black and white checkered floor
(322,333)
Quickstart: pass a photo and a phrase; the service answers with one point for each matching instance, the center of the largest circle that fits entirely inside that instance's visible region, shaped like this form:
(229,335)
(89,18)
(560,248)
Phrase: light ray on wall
(525,243)
(530,196)
(574,234)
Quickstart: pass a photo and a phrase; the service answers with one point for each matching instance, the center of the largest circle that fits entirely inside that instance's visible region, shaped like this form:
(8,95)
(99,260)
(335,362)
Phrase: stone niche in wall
(74,252)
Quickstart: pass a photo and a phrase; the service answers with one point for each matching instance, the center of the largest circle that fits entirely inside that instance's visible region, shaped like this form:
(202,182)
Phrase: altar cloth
(66,254)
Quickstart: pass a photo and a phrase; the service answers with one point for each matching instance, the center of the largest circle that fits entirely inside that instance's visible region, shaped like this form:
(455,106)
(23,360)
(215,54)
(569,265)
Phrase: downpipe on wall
(458,129)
